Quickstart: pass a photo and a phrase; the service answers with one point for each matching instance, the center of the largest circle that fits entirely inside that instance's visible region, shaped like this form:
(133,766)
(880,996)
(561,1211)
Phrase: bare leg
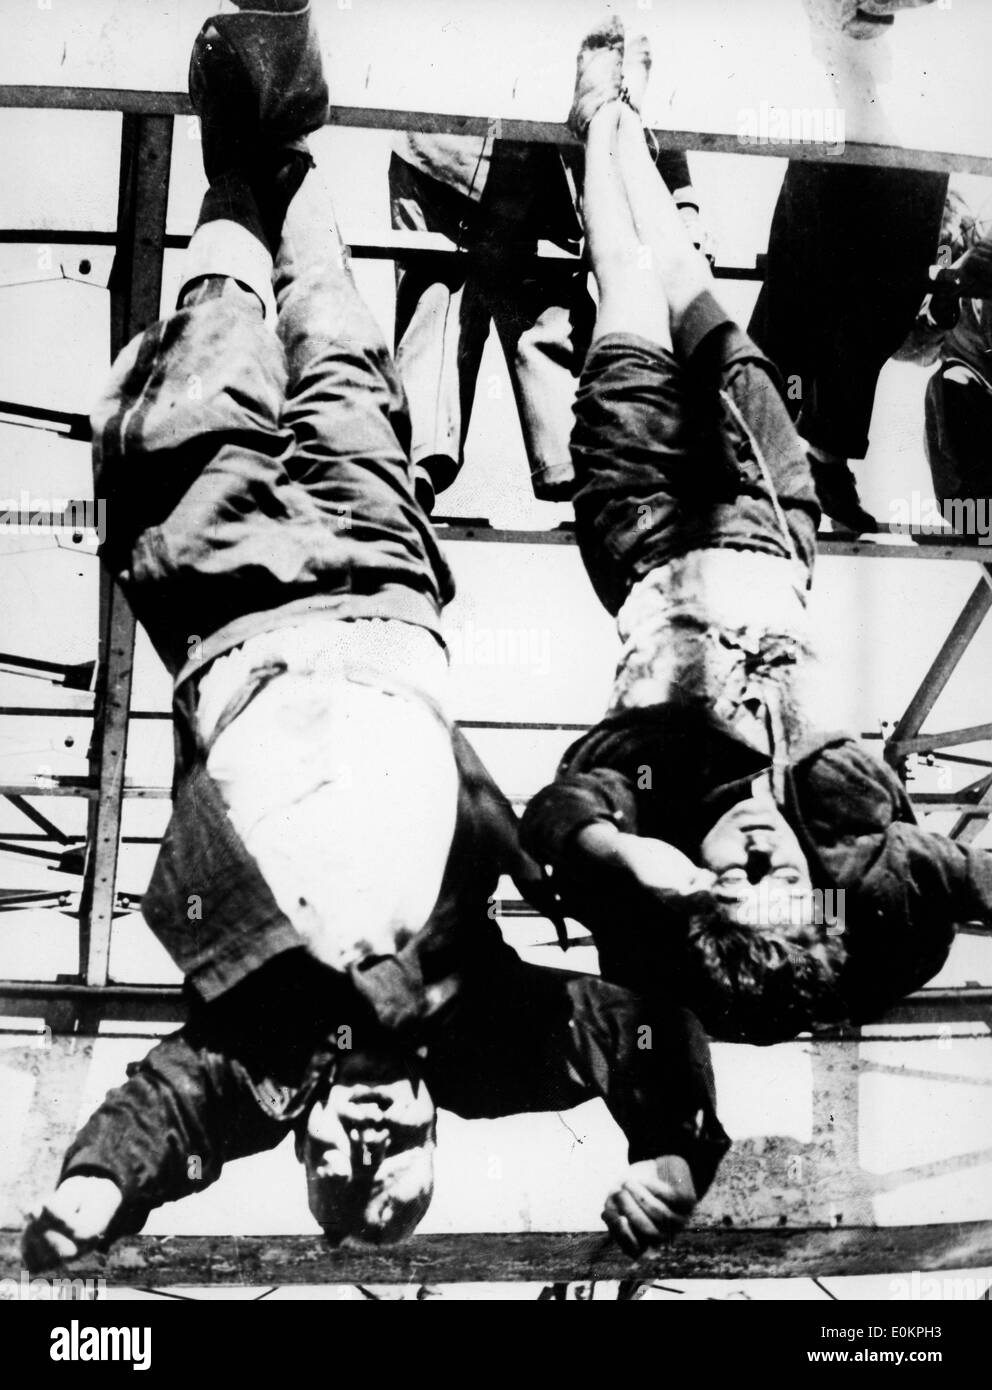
(632,297)
(664,241)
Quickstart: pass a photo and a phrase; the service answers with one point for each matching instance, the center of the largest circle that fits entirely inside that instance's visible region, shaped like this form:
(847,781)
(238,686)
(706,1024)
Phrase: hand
(74,1220)
(651,1204)
(660,867)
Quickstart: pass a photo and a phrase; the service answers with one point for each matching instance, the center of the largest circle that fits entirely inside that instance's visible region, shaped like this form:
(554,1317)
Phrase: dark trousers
(445,305)
(846,272)
(959,445)
(247,470)
(674,456)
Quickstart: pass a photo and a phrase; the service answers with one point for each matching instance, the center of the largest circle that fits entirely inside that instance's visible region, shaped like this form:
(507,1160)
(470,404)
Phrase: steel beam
(135,294)
(147,103)
(955,645)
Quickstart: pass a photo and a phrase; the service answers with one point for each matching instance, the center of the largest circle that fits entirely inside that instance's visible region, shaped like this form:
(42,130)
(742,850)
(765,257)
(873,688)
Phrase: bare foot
(598,73)
(636,69)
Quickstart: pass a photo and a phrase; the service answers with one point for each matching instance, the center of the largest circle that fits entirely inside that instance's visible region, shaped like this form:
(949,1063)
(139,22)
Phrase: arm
(587,822)
(504,828)
(571,802)
(183,1112)
(650,1062)
(652,864)
(530,1038)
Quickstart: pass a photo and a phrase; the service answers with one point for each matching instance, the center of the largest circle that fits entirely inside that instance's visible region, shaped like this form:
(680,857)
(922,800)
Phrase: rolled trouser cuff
(701,317)
(225,247)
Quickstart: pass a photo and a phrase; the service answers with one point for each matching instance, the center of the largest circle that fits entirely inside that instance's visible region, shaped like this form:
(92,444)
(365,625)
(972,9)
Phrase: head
(367,1144)
(759,984)
(760,968)
(761,875)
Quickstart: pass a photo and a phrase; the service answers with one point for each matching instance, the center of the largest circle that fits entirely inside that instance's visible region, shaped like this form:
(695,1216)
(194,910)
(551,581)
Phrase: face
(368,1150)
(761,874)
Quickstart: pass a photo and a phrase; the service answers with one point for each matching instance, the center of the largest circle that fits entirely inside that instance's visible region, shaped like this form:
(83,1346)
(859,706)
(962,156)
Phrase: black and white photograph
(496,665)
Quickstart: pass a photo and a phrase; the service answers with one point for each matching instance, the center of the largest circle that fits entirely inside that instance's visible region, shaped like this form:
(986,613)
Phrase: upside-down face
(762,876)
(368,1150)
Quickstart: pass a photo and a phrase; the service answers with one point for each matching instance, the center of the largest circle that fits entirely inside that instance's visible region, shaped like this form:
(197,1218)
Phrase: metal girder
(954,738)
(886,544)
(972,821)
(69,424)
(80,787)
(76,676)
(511,128)
(953,649)
(133,1003)
(135,294)
(35,816)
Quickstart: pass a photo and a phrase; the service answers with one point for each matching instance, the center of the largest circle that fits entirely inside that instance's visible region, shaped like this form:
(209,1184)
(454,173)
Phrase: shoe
(598,74)
(256,81)
(837,494)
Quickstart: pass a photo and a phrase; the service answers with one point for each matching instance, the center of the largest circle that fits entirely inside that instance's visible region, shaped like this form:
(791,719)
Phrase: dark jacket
(671,771)
(244,1070)
(225,522)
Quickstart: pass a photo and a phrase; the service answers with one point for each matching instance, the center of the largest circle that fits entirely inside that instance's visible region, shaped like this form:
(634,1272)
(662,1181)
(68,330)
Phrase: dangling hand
(74,1220)
(650,1204)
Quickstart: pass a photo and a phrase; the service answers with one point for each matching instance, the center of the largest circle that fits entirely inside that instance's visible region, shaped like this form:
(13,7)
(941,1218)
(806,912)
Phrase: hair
(758,985)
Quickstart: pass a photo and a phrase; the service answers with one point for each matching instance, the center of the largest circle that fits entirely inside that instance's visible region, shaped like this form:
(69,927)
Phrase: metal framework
(80,1003)
(140,242)
(135,284)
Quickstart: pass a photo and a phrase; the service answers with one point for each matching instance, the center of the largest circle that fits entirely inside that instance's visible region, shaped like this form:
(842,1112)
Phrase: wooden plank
(150,103)
(135,294)
(533,1256)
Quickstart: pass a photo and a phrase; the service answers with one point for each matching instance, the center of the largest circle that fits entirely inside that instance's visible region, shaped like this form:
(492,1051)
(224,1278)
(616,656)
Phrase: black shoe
(256,81)
(837,494)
